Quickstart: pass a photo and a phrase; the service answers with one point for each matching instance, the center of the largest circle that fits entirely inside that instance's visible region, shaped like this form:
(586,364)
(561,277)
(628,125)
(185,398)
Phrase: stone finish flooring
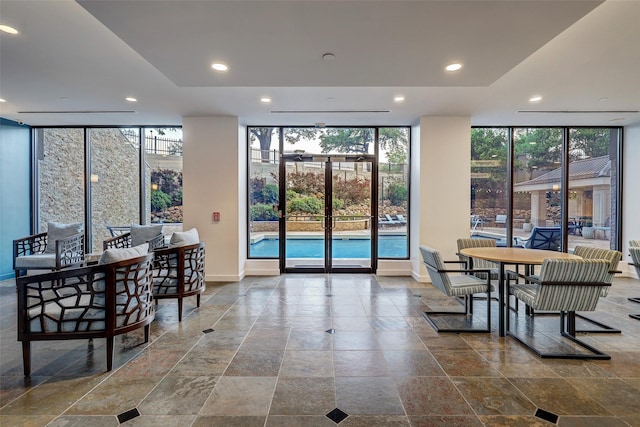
(322,350)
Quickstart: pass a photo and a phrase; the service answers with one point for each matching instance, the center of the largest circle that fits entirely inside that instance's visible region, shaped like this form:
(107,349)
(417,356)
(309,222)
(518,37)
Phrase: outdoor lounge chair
(547,238)
(401,219)
(567,286)
(464,283)
(60,247)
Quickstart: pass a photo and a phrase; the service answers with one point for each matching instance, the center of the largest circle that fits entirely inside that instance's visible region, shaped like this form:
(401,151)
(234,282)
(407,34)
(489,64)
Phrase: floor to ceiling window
(93,175)
(114,181)
(323,186)
(163,178)
(545,161)
(60,175)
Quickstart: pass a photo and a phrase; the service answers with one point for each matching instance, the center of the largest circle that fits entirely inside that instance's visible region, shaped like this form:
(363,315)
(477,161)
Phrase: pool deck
(492,232)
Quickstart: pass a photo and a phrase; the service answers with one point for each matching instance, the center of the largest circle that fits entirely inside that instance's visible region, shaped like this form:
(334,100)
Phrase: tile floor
(321,350)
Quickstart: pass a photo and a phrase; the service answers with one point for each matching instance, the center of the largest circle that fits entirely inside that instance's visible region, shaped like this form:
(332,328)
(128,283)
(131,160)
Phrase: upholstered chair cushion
(184,238)
(143,233)
(121,254)
(57,231)
(37,261)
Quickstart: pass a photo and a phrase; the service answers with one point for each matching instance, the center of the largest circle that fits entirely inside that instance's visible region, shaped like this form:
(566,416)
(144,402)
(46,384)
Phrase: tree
(264,136)
(357,140)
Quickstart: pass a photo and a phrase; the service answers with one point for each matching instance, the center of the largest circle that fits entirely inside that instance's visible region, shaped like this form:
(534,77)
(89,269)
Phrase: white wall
(212,182)
(631,194)
(444,191)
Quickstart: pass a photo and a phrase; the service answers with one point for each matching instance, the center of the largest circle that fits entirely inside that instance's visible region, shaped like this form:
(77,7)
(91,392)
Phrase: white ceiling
(90,55)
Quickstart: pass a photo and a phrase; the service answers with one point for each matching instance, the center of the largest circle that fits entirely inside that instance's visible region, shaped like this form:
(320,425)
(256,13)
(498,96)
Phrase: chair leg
(198,300)
(26,357)
(567,328)
(179,309)
(146,333)
(109,353)
(467,313)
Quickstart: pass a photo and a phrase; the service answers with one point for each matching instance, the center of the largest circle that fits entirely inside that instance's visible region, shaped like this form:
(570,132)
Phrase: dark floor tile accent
(337,415)
(207,331)
(547,416)
(330,331)
(128,415)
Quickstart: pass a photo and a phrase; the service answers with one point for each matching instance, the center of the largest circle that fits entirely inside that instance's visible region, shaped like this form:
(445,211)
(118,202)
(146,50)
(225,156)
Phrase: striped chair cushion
(477,262)
(450,284)
(611,256)
(635,256)
(569,296)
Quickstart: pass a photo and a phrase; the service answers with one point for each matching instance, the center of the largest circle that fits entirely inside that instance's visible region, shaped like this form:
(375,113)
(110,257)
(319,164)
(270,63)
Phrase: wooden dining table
(514,257)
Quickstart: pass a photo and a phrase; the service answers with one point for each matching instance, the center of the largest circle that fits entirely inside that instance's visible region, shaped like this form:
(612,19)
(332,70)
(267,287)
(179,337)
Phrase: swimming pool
(388,247)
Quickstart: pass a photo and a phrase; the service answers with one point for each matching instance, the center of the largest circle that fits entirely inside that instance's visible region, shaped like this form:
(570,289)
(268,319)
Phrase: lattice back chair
(567,286)
(456,283)
(62,246)
(178,273)
(634,251)
(546,238)
(137,235)
(98,301)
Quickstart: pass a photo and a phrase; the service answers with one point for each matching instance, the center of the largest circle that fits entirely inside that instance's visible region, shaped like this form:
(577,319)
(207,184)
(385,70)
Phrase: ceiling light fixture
(3,100)
(453,67)
(219,66)
(7,29)
(399,98)
(329,56)
(265,100)
(535,98)
(131,99)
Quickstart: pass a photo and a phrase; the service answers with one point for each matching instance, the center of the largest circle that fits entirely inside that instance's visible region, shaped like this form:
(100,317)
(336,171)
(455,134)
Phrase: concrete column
(212,180)
(443,180)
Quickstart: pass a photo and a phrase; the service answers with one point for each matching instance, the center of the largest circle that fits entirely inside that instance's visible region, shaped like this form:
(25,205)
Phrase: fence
(155,144)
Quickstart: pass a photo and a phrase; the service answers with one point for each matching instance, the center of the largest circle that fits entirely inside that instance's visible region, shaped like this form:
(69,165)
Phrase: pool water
(388,247)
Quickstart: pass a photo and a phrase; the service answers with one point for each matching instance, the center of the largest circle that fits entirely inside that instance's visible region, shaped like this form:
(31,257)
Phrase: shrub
(262,212)
(270,194)
(338,204)
(309,205)
(397,194)
(160,201)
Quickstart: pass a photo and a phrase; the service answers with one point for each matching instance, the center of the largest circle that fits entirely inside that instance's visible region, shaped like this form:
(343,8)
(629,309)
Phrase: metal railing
(155,144)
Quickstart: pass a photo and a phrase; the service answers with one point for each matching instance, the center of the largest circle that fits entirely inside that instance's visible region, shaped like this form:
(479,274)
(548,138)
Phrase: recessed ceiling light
(131,99)
(399,98)
(604,98)
(7,29)
(536,98)
(3,100)
(329,56)
(265,99)
(64,98)
(453,67)
(219,66)
(331,99)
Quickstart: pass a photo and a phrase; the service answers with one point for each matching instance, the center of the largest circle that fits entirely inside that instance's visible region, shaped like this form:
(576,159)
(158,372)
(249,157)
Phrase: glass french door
(327,221)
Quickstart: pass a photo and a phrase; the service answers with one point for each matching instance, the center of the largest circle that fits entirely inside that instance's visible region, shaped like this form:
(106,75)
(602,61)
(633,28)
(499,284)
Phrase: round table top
(516,255)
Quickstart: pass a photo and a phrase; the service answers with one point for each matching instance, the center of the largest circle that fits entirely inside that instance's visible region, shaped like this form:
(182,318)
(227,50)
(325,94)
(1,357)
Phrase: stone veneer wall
(115,197)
